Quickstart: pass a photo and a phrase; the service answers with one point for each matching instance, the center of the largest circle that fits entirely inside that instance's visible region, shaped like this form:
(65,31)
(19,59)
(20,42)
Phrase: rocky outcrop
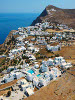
(43,14)
(57,15)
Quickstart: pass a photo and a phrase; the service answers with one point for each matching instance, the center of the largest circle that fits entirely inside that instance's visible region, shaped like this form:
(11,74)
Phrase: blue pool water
(30,71)
(38,75)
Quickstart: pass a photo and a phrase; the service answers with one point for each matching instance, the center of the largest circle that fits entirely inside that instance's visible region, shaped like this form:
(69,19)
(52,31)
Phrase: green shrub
(25,57)
(8,93)
(57,55)
(27,61)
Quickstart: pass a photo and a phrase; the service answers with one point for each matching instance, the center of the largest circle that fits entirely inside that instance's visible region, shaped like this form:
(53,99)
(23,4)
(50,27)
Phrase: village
(34,67)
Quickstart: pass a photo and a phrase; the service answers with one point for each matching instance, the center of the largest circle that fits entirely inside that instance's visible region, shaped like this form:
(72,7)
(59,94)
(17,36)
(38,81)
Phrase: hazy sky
(32,6)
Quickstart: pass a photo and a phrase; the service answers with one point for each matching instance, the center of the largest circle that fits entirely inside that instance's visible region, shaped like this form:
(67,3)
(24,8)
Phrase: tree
(13,39)
(0,70)
(53,28)
(59,48)
(19,68)
(27,61)
(21,63)
(6,67)
(8,93)
(15,61)
(25,57)
(57,55)
(24,51)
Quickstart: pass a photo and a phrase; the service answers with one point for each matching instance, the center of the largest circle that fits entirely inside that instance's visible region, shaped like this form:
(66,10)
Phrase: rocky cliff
(57,15)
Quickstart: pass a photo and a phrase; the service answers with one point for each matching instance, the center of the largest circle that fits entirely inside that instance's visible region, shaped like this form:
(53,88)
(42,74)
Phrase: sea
(12,21)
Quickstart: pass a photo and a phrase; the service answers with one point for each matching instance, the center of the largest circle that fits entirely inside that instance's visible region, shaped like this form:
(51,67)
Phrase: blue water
(30,71)
(38,75)
(12,21)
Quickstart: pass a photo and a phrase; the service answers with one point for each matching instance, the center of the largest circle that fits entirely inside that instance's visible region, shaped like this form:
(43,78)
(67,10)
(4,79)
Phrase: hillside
(61,89)
(57,15)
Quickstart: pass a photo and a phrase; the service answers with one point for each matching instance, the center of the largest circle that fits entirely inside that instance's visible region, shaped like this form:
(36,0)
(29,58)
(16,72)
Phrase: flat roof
(23,80)
(30,91)
(25,85)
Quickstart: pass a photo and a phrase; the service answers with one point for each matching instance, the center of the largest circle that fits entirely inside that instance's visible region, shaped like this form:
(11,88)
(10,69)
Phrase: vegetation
(1,52)
(24,51)
(51,56)
(56,55)
(27,61)
(59,48)
(25,57)
(15,61)
(49,51)
(8,93)
(37,53)
(19,60)
(21,63)
(19,68)
(41,57)
(8,43)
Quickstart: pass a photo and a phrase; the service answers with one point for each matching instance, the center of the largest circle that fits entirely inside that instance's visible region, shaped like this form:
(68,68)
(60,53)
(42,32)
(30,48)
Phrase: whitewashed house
(32,57)
(11,68)
(58,60)
(24,86)
(20,38)
(36,66)
(44,62)
(31,48)
(20,44)
(20,29)
(53,48)
(18,75)
(11,57)
(51,75)
(29,77)
(56,72)
(50,62)
(29,91)
(35,81)
(43,68)
(42,82)
(66,65)
(23,81)
(8,78)
(46,75)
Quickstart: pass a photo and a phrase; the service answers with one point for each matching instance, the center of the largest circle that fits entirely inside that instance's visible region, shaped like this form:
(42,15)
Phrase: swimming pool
(38,75)
(30,71)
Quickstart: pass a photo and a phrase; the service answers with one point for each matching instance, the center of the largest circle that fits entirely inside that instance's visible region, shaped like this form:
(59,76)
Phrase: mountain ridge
(56,15)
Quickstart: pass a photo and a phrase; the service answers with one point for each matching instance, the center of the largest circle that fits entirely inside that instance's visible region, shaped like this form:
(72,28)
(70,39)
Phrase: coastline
(12,21)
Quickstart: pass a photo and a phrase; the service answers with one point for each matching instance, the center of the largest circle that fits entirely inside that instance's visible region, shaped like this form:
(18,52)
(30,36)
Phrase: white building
(36,66)
(35,81)
(11,68)
(23,87)
(42,82)
(18,75)
(23,81)
(50,62)
(55,72)
(29,91)
(8,78)
(32,57)
(43,68)
(58,60)
(29,77)
(53,48)
(46,74)
(66,65)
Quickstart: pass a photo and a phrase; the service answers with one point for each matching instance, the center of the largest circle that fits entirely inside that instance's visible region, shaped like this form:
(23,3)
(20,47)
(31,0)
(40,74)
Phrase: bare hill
(61,89)
(57,15)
